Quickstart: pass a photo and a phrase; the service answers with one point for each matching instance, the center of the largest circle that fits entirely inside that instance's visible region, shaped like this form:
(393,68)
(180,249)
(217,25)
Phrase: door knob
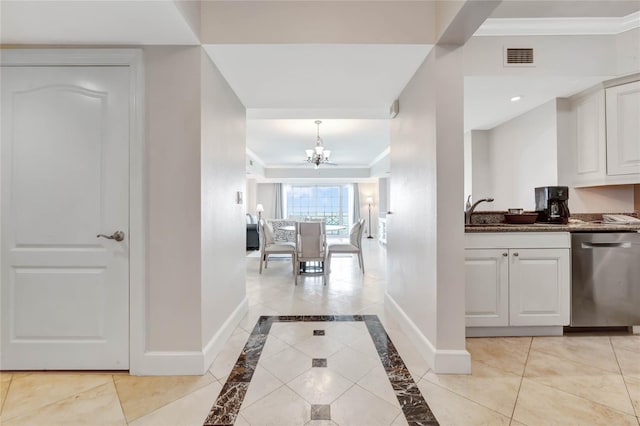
(118,236)
(516,254)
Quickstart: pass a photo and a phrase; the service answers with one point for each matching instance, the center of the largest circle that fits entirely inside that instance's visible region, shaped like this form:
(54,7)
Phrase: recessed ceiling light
(516,98)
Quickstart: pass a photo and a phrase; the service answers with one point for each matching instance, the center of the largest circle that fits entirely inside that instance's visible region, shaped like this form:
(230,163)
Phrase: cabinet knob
(516,254)
(505,254)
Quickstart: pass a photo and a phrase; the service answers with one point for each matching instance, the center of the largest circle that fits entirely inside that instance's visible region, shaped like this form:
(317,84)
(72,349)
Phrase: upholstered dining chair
(268,245)
(311,250)
(354,246)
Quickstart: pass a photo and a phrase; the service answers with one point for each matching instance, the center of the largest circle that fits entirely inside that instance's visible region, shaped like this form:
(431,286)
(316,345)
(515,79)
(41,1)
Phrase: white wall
(481,167)
(223,220)
(627,47)
(266,195)
(196,231)
(425,242)
(468,168)
(250,198)
(383,196)
(317,21)
(533,150)
(523,156)
(173,176)
(579,55)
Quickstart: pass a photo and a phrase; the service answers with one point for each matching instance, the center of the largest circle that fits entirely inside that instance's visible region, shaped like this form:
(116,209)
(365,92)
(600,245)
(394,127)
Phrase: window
(333,203)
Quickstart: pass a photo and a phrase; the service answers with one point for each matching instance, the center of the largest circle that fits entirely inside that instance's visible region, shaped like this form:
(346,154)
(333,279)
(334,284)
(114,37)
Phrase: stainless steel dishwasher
(605,289)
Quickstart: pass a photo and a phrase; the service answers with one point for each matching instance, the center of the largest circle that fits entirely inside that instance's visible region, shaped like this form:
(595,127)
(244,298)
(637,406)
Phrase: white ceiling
(487,99)
(564,8)
(282,143)
(287,87)
(93,22)
(338,76)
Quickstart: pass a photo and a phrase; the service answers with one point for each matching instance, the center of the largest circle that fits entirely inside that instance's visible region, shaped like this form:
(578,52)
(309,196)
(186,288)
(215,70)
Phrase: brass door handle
(118,236)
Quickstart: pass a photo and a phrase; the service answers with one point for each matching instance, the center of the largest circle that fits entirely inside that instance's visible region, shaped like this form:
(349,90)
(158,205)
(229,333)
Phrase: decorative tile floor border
(227,406)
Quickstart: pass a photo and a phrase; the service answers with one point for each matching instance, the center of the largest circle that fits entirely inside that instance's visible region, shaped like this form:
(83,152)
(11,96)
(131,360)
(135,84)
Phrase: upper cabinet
(590,152)
(623,129)
(606,142)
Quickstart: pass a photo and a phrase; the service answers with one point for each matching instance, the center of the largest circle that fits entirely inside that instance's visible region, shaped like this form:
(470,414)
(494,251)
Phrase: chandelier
(318,155)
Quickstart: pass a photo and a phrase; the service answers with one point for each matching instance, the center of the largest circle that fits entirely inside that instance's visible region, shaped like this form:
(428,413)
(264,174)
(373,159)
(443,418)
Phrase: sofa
(253,239)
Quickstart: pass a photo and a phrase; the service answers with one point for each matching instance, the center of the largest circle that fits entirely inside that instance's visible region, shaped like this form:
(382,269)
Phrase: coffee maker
(552,204)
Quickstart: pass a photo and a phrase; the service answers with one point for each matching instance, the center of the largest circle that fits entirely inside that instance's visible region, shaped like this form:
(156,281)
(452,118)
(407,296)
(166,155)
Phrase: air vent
(518,57)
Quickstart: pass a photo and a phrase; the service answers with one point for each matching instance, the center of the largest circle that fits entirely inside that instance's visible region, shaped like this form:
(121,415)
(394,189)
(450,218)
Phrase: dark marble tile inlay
(415,408)
(227,406)
(319,362)
(321,412)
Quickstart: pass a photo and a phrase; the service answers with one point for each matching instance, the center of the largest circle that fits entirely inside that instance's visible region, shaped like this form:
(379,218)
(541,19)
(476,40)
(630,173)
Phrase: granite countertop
(493,221)
(543,227)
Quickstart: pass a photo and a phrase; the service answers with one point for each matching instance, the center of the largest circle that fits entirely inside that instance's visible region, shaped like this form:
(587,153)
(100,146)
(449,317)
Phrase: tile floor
(571,380)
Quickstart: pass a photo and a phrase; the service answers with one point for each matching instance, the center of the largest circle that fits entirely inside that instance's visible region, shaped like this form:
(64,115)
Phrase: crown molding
(558,26)
(313,113)
(380,156)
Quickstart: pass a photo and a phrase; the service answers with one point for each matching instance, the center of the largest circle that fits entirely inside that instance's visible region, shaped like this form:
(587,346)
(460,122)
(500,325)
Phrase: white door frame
(137,199)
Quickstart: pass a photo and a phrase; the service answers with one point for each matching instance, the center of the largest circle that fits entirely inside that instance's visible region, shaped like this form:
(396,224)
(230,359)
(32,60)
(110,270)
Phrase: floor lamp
(370,201)
(259,210)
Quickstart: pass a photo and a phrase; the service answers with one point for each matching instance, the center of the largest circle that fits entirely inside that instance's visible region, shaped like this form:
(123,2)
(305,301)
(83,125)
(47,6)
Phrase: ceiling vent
(518,57)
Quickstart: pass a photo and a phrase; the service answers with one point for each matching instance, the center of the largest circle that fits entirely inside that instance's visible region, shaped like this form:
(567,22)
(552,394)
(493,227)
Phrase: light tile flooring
(572,380)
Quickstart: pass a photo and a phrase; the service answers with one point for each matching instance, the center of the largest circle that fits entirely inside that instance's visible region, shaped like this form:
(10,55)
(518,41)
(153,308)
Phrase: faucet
(469,211)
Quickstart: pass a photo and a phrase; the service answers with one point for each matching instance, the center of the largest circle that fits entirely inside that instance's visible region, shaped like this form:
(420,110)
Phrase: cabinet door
(487,287)
(590,143)
(539,284)
(623,129)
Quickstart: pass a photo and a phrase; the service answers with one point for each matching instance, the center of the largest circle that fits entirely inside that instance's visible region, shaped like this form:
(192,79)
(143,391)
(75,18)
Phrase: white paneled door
(65,179)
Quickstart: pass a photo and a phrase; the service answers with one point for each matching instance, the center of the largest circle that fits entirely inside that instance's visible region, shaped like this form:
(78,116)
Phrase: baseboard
(441,361)
(190,363)
(215,345)
(514,331)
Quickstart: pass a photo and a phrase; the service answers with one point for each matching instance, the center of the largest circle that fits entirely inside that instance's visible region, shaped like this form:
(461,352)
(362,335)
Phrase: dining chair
(269,246)
(311,250)
(354,246)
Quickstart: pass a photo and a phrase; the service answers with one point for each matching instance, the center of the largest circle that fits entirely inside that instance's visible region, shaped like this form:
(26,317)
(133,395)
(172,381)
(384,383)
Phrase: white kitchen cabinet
(517,279)
(539,287)
(487,288)
(590,149)
(605,135)
(623,129)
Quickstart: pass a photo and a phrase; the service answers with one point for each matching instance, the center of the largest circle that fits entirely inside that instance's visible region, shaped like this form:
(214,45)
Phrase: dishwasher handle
(606,245)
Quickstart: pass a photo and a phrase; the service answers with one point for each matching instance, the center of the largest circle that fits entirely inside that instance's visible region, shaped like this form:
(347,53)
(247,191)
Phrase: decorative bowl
(522,218)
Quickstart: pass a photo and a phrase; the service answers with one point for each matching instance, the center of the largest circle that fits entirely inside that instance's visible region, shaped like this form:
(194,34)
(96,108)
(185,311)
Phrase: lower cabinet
(508,287)
(487,287)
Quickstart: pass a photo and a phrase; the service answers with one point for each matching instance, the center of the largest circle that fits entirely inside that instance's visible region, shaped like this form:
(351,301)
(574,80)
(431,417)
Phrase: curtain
(279,201)
(356,202)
